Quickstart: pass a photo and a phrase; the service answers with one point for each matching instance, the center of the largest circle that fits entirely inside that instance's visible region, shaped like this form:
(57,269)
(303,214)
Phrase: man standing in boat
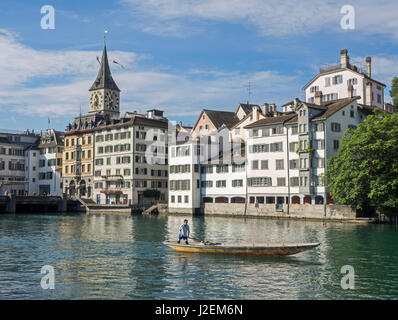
(184,232)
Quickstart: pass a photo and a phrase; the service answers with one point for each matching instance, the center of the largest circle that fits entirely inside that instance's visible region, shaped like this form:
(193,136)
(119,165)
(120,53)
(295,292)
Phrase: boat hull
(255,250)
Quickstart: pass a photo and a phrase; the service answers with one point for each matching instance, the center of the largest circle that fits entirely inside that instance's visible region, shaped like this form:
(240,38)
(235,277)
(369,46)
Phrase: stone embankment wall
(295,211)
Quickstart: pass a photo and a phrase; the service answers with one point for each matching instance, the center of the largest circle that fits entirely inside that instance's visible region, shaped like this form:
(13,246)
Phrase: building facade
(344,80)
(131,157)
(283,160)
(51,148)
(287,155)
(14,156)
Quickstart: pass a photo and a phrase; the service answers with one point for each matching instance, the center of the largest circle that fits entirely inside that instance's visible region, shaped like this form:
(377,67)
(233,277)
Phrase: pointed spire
(104,78)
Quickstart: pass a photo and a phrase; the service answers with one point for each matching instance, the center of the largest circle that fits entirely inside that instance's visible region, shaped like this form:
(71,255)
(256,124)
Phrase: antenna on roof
(249,91)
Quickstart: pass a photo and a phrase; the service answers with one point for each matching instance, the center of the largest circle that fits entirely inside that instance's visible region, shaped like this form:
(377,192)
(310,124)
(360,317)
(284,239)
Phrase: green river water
(122,257)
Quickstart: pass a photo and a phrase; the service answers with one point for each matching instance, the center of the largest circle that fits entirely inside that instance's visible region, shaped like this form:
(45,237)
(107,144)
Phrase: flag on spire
(119,64)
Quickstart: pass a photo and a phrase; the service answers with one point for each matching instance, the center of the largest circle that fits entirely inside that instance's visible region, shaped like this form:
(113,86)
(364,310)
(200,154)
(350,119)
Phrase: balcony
(112,177)
(111,191)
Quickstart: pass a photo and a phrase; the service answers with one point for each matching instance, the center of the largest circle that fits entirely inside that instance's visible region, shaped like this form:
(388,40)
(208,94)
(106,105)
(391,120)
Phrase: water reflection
(122,257)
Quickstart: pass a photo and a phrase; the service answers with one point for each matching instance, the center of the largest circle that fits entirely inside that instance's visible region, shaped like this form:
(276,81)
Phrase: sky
(180,56)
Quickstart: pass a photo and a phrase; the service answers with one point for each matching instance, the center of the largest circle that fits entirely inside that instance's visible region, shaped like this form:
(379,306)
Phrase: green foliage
(365,171)
(152,193)
(394,92)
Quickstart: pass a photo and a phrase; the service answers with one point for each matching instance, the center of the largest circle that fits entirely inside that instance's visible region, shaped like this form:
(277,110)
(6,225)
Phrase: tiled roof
(219,118)
(247,108)
(151,122)
(334,106)
(272,120)
(338,70)
(140,121)
(329,107)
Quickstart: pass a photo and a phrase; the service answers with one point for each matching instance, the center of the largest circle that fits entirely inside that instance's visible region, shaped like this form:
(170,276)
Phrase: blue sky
(180,55)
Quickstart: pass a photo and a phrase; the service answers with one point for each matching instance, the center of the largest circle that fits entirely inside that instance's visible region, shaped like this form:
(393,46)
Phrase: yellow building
(77,169)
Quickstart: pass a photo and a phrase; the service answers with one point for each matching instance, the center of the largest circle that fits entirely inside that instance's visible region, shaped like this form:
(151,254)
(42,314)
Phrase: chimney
(255,113)
(350,91)
(344,58)
(318,97)
(272,109)
(265,108)
(369,67)
(368,101)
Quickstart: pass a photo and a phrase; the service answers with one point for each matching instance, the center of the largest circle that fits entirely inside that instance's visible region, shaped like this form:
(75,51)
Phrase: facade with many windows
(78,157)
(287,155)
(131,156)
(51,147)
(344,80)
(14,162)
(283,161)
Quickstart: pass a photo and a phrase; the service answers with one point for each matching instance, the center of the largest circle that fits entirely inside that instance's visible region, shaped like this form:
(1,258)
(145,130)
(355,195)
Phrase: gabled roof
(272,120)
(329,108)
(339,70)
(247,108)
(104,78)
(219,118)
(335,106)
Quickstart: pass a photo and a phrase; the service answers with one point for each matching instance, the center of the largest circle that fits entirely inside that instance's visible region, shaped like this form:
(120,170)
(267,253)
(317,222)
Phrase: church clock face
(109,101)
(96,101)
(112,101)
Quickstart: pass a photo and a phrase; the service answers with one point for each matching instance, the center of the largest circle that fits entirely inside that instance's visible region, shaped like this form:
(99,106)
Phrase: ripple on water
(97,257)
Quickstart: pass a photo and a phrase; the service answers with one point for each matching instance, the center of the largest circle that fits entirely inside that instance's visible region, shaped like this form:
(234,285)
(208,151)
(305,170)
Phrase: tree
(365,171)
(394,92)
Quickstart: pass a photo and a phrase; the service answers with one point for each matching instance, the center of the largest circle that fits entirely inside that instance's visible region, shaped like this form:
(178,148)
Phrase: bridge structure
(42,204)
(64,203)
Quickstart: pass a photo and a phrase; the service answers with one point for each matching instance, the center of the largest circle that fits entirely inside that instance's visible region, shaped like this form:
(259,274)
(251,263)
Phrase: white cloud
(20,64)
(269,17)
(56,83)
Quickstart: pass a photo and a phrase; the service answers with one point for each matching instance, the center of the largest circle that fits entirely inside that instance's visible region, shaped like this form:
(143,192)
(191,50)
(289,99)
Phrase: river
(122,257)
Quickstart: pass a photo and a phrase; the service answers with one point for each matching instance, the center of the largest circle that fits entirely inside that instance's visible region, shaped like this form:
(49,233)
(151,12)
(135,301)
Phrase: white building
(344,80)
(32,156)
(131,156)
(51,148)
(287,155)
(210,165)
(184,177)
(13,160)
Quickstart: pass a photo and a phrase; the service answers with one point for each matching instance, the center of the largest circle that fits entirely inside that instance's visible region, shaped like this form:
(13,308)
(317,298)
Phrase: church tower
(104,93)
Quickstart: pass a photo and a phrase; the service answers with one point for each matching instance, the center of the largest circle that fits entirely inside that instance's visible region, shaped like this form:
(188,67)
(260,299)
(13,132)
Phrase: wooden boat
(242,249)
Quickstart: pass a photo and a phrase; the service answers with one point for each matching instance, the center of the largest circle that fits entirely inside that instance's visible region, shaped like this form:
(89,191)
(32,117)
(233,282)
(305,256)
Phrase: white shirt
(185,229)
